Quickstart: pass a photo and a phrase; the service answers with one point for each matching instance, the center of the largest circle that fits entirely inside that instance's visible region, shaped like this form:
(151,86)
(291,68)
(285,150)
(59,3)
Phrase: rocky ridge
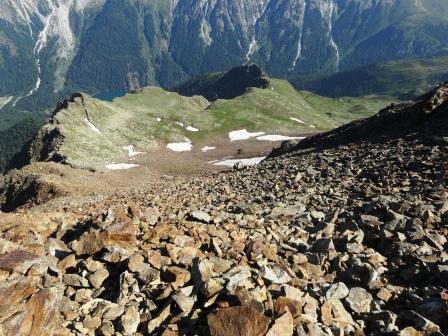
(347,240)
(227,85)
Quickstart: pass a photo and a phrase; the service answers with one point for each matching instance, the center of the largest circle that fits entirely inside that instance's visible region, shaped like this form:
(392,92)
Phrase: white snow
(159,119)
(274,137)
(299,44)
(180,146)
(246,162)
(180,124)
(207,148)
(251,50)
(6,102)
(312,126)
(121,166)
(131,151)
(298,120)
(92,127)
(205,33)
(243,135)
(192,129)
(330,33)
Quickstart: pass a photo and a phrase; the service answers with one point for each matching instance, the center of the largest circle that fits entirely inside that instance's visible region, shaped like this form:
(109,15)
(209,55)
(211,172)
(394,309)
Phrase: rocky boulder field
(323,240)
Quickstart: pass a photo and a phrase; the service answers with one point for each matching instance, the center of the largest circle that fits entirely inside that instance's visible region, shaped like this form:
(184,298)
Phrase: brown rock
(384,294)
(176,276)
(92,323)
(41,310)
(155,259)
(283,326)
(135,262)
(97,278)
(88,244)
(334,314)
(157,322)
(122,234)
(284,304)
(67,262)
(237,321)
(15,291)
(17,261)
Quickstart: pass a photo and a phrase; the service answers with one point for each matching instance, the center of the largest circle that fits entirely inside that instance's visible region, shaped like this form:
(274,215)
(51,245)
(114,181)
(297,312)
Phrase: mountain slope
(426,117)
(403,79)
(87,132)
(50,48)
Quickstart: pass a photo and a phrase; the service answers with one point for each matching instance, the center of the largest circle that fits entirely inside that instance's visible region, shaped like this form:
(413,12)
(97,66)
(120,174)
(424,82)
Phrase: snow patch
(192,129)
(274,137)
(180,124)
(243,135)
(180,146)
(6,102)
(205,33)
(131,151)
(245,162)
(159,119)
(299,44)
(92,127)
(298,120)
(121,166)
(252,49)
(330,33)
(207,148)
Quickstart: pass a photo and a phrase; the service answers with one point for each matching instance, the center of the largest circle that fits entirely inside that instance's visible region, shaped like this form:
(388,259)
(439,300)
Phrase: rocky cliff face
(93,45)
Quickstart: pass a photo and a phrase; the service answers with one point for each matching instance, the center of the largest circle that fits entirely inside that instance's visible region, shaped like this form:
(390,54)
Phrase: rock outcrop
(228,85)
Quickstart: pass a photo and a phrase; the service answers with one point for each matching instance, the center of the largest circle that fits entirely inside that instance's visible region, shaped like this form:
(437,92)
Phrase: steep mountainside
(50,48)
(347,240)
(403,79)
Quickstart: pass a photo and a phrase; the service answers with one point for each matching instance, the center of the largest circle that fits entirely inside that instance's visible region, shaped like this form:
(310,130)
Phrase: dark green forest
(12,140)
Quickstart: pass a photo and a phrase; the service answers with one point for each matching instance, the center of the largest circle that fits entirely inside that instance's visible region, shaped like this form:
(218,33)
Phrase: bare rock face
(227,85)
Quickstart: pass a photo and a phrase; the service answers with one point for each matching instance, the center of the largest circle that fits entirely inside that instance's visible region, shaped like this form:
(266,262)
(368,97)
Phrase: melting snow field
(121,166)
(92,126)
(298,120)
(246,162)
(243,135)
(180,146)
(273,137)
(207,148)
(131,151)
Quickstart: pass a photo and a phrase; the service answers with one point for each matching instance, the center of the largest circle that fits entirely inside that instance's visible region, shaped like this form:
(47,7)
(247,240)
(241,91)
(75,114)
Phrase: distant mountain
(402,79)
(49,48)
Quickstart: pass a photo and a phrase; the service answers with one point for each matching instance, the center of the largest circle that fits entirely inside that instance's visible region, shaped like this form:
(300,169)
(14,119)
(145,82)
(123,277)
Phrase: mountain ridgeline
(50,48)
